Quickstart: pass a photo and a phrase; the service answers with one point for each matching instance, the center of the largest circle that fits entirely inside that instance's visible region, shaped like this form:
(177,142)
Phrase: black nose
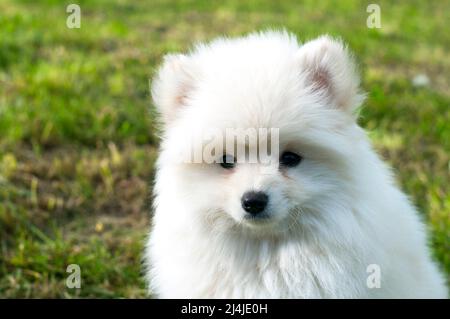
(254,202)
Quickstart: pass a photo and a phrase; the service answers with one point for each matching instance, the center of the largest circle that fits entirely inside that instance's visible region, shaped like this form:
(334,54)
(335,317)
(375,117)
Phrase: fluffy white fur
(332,216)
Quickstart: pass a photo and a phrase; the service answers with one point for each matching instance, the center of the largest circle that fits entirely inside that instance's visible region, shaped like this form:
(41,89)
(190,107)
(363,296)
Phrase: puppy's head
(299,100)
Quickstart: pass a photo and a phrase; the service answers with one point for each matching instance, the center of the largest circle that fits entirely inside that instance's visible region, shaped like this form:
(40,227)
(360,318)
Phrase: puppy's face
(228,105)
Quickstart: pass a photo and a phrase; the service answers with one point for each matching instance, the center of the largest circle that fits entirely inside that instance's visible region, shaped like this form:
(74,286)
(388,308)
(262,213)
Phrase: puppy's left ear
(172,85)
(330,71)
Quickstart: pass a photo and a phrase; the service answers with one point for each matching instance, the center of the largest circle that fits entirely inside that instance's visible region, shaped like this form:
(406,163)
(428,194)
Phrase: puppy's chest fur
(255,268)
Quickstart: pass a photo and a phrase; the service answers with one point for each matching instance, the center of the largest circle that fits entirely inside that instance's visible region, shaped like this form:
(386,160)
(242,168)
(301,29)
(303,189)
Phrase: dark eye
(228,161)
(290,159)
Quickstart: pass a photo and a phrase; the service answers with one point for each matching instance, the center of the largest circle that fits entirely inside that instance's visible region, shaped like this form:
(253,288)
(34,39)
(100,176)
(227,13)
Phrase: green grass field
(78,140)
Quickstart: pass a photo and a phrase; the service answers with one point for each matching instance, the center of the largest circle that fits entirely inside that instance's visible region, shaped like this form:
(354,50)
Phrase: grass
(78,142)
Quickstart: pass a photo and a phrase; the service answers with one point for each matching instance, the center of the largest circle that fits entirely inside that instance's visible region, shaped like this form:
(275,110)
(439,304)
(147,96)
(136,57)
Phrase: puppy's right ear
(172,85)
(331,72)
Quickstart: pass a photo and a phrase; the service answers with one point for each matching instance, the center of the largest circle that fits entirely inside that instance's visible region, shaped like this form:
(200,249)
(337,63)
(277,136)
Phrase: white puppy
(325,221)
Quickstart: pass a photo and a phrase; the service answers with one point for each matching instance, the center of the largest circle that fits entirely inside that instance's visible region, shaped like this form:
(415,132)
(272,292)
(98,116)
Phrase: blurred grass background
(78,142)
